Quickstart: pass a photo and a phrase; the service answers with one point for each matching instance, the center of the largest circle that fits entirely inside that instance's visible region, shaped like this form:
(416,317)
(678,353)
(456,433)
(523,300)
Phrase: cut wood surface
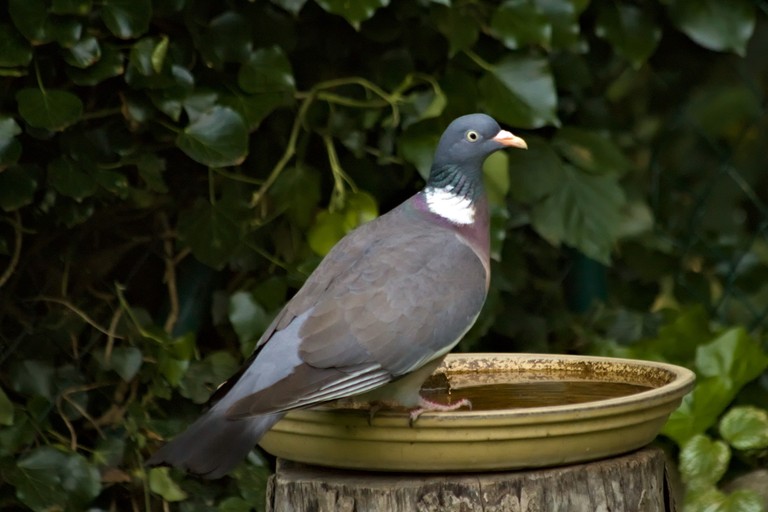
(635,482)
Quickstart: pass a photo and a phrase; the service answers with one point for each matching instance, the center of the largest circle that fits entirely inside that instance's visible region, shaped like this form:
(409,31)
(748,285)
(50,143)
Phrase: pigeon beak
(507,139)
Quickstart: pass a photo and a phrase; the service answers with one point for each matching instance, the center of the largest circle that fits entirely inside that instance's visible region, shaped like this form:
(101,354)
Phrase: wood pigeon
(374,319)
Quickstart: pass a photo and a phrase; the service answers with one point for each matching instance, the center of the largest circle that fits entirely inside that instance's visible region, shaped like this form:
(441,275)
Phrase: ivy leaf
(49,109)
(292,6)
(217,138)
(14,50)
(127,19)
(703,461)
(6,409)
(213,232)
(267,71)
(354,12)
(715,25)
(297,192)
(724,365)
(590,151)
(420,105)
(745,428)
(202,377)
(10,148)
(161,483)
(84,53)
(75,7)
(248,319)
(519,90)
(563,17)
(417,145)
(458,26)
(631,30)
(17,188)
(70,180)
(110,64)
(125,361)
(536,172)
(583,212)
(47,479)
(517,23)
(227,38)
(734,355)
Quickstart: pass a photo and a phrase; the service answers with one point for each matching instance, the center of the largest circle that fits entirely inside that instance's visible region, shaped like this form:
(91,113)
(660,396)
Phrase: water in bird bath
(542,393)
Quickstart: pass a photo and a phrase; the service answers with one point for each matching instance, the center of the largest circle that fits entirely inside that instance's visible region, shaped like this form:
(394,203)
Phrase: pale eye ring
(472,136)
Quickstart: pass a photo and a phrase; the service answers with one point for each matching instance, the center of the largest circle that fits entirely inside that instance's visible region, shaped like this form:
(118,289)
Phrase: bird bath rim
(496,439)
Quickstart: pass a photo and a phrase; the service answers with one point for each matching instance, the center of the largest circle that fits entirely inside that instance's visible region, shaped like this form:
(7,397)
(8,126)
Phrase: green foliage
(171,171)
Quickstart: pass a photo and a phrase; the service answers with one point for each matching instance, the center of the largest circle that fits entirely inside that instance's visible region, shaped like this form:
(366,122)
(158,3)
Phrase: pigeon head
(468,141)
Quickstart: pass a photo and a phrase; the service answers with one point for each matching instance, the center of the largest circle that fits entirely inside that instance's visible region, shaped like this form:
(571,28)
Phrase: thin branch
(76,311)
(17,239)
(170,275)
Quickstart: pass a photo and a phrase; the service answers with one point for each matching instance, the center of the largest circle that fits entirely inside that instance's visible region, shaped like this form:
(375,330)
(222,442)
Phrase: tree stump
(635,482)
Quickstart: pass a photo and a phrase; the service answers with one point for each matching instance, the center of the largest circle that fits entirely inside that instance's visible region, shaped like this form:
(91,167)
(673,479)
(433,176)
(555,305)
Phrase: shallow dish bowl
(497,439)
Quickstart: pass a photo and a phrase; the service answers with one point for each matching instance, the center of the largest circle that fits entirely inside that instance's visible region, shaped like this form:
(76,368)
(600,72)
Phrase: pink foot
(428,406)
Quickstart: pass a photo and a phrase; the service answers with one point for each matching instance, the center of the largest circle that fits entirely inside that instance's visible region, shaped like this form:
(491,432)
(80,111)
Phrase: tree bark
(635,482)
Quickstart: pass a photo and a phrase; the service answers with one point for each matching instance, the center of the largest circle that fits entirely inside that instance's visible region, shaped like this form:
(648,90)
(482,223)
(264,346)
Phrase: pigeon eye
(472,136)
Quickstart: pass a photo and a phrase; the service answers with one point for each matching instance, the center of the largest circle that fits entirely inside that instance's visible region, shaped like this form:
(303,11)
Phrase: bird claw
(429,406)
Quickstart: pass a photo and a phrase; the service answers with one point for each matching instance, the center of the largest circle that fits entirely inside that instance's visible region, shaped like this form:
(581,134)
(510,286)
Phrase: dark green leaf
(716,25)
(519,90)
(517,23)
(33,378)
(84,53)
(110,64)
(14,50)
(353,12)
(151,168)
(583,212)
(227,38)
(267,71)
(630,29)
(161,483)
(126,362)
(50,109)
(76,7)
(563,16)
(745,428)
(202,377)
(725,110)
(703,461)
(421,105)
(496,178)
(6,409)
(417,145)
(127,19)
(69,179)
(213,232)
(292,6)
(48,478)
(536,172)
(458,26)
(10,148)
(297,192)
(217,138)
(590,151)
(30,17)
(248,319)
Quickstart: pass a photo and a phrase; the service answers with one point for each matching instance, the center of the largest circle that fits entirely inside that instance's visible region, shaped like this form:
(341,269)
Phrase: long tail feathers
(213,445)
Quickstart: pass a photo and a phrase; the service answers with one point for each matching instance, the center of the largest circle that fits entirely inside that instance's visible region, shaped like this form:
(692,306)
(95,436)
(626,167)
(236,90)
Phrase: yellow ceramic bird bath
(529,410)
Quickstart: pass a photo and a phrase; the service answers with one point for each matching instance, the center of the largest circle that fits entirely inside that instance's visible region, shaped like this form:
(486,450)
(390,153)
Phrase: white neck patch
(453,207)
